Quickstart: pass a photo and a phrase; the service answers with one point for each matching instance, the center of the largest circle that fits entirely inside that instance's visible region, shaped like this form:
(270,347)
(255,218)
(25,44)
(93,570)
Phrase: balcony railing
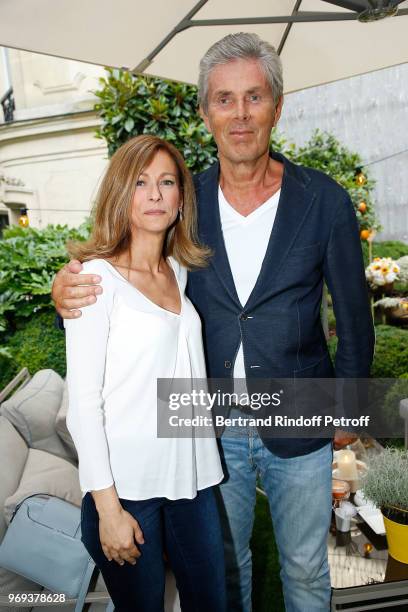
(7,102)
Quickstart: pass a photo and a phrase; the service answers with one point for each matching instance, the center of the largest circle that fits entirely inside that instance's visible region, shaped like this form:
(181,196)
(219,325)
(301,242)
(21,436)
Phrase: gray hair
(241,45)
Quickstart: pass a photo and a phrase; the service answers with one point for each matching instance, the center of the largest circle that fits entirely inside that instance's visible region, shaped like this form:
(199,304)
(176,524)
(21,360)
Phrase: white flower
(382,271)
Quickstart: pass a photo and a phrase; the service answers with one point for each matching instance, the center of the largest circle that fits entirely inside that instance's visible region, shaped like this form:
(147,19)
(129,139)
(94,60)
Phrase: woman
(143,494)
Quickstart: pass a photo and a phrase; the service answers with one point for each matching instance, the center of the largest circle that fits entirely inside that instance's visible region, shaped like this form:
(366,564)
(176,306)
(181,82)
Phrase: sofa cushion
(99,587)
(33,410)
(45,473)
(13,583)
(13,456)
(61,426)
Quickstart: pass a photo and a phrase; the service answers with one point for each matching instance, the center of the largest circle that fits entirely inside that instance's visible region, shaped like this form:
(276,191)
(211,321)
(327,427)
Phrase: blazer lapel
(210,230)
(293,207)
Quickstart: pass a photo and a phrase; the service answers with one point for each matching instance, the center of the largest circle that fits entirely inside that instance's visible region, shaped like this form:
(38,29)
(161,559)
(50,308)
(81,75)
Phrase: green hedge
(39,344)
(36,345)
(29,259)
(387,248)
(391,351)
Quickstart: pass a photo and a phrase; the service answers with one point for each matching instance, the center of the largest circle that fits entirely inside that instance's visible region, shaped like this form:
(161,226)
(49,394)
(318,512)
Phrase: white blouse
(116,351)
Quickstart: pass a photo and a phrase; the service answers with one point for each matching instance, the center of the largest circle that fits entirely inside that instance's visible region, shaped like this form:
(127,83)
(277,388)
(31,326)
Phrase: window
(4,222)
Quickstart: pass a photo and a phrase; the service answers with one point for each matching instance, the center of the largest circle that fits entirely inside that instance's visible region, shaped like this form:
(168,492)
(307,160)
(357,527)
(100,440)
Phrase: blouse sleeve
(86,347)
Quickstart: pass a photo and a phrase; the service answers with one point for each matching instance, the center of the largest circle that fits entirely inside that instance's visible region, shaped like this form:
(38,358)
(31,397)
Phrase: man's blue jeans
(299,494)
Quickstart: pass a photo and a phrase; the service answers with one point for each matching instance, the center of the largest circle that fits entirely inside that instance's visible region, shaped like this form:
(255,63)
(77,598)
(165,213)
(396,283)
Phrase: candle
(340,489)
(346,463)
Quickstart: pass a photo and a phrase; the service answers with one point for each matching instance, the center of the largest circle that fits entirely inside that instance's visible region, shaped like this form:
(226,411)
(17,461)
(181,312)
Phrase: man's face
(241,110)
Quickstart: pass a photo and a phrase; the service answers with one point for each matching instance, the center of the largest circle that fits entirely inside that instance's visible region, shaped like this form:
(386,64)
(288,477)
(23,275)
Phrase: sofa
(37,455)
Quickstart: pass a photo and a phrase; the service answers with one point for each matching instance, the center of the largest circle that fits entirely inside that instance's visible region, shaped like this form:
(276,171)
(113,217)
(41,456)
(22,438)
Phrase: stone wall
(369,114)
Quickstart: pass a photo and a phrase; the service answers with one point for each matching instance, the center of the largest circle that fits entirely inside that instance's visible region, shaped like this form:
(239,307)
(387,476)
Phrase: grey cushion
(171,598)
(94,607)
(13,456)
(61,426)
(13,583)
(33,410)
(45,473)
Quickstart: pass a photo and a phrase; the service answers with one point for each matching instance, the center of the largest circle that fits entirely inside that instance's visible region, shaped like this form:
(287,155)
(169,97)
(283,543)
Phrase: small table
(365,581)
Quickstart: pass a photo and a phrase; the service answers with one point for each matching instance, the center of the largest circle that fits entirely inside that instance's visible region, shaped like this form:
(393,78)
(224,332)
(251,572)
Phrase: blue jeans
(299,494)
(188,530)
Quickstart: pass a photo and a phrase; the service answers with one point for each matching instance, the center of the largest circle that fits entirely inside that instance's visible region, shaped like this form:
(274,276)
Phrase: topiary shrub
(38,344)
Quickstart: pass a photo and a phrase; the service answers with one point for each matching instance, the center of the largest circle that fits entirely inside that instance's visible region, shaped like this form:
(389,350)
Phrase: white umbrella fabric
(319,41)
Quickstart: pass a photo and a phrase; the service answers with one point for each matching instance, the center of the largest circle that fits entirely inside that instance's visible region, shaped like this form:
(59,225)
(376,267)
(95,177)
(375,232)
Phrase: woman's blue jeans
(188,530)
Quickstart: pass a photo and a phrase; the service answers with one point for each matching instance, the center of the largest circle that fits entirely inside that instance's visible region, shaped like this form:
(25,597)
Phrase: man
(277,231)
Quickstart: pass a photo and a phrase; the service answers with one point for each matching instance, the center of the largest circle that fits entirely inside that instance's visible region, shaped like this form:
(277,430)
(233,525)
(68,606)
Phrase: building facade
(50,160)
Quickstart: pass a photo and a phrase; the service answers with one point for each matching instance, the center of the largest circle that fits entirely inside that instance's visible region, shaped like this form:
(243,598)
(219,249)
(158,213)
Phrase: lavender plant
(386,484)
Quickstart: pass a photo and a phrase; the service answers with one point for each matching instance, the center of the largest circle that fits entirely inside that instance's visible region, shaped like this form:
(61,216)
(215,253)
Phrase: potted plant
(386,485)
(395,307)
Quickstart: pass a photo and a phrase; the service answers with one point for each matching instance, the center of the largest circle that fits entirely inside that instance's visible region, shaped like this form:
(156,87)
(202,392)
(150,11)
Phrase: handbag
(43,543)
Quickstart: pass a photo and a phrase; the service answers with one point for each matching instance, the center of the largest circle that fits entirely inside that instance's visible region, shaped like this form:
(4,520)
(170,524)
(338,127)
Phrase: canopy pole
(6,64)
(296,17)
(288,28)
(182,25)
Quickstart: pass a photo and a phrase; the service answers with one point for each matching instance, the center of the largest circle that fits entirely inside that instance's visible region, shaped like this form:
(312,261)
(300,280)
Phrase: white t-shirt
(246,240)
(115,352)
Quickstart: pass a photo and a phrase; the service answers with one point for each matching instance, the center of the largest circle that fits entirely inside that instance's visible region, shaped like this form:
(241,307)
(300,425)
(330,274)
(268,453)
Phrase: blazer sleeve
(345,277)
(86,348)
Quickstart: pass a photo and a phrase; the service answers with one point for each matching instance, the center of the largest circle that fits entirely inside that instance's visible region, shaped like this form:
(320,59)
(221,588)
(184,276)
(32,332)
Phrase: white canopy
(319,41)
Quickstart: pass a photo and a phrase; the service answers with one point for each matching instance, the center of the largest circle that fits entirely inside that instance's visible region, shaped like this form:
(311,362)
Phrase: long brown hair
(111,233)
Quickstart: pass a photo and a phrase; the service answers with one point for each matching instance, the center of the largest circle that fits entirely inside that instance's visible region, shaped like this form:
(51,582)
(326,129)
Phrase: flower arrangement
(382,271)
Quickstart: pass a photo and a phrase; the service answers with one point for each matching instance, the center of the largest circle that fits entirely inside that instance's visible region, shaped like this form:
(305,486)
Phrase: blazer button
(243,316)
(227,364)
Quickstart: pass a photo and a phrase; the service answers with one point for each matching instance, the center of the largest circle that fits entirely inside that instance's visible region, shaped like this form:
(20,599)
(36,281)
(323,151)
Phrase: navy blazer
(315,237)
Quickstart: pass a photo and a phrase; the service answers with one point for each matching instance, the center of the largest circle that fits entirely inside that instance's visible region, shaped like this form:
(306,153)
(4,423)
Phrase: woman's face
(157,197)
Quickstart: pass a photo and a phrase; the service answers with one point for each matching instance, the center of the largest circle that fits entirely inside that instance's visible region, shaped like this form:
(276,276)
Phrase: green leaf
(129,124)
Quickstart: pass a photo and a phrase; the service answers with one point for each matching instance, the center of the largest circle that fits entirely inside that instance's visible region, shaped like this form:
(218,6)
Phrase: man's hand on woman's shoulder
(71,290)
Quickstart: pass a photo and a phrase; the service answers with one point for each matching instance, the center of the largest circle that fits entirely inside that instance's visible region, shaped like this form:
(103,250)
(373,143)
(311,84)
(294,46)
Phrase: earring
(181,213)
